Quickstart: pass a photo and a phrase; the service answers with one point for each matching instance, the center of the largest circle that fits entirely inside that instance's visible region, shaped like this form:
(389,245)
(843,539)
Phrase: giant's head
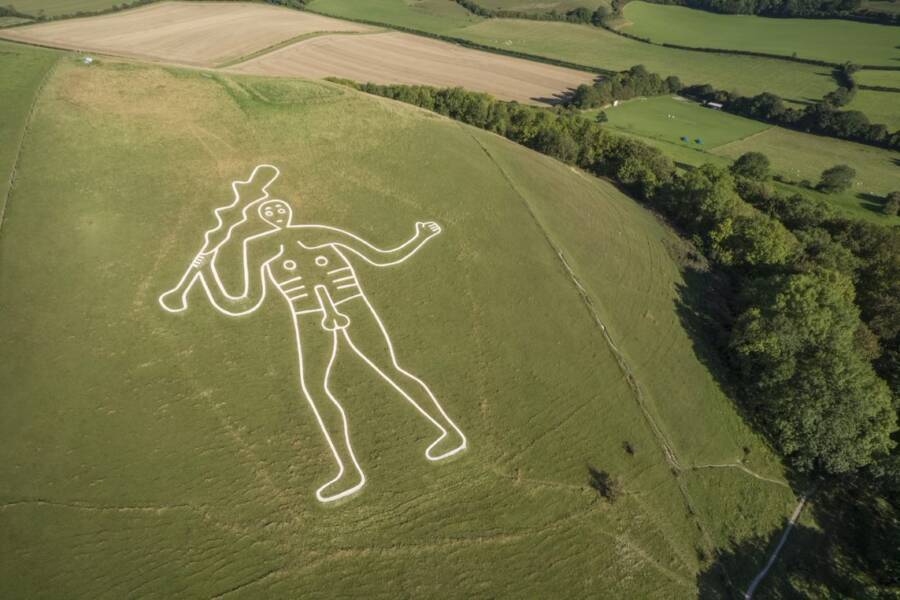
(276,212)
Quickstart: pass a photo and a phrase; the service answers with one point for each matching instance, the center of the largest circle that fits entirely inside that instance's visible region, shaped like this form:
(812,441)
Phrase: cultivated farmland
(409,59)
(194,33)
(830,40)
(166,446)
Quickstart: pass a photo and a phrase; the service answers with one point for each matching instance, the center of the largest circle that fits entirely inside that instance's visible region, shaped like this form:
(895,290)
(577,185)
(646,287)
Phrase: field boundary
(288,42)
(29,117)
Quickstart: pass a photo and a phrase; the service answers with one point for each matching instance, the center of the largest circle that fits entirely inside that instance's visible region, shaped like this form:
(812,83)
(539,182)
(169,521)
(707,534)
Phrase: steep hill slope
(154,454)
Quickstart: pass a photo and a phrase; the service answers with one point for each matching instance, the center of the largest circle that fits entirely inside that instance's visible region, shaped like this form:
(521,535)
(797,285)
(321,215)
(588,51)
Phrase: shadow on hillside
(705,315)
(563,97)
(872,202)
(854,554)
(732,571)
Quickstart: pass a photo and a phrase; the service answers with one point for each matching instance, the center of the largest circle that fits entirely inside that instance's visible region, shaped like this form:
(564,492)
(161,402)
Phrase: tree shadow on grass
(703,309)
(732,571)
(855,553)
(872,202)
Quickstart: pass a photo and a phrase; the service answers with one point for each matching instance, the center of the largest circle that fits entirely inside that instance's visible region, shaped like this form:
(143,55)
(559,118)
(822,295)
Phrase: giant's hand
(427,229)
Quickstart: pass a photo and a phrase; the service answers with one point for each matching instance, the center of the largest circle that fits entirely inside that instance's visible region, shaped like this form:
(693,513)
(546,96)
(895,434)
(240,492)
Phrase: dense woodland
(807,302)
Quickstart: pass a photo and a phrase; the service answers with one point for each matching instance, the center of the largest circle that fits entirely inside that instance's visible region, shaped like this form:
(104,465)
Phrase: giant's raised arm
(317,236)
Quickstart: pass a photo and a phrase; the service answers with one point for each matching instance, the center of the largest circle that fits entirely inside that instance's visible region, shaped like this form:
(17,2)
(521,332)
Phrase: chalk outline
(424,232)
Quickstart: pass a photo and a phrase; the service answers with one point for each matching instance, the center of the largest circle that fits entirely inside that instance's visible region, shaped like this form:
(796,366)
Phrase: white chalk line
(278,215)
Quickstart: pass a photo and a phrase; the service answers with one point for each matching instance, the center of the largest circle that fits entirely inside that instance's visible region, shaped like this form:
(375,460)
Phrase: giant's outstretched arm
(317,236)
(203,270)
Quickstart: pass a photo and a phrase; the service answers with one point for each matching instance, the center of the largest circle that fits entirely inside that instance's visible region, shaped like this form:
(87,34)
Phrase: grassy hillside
(171,455)
(596,47)
(832,40)
(24,69)
(541,6)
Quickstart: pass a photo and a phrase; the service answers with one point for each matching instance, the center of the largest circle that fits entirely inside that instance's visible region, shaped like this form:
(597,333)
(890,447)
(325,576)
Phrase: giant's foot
(451,442)
(348,482)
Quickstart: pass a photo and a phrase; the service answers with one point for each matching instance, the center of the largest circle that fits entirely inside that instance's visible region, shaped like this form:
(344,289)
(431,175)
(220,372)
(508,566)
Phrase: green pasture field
(882,78)
(24,69)
(831,40)
(435,16)
(805,156)
(542,6)
(153,454)
(795,155)
(879,107)
(671,118)
(596,47)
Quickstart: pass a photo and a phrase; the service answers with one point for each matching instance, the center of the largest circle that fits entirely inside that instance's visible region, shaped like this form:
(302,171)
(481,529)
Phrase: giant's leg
(368,337)
(316,361)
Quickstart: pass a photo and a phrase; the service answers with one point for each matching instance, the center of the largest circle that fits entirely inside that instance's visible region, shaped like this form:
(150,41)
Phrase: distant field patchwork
(409,59)
(195,33)
(596,47)
(663,121)
(832,40)
(55,8)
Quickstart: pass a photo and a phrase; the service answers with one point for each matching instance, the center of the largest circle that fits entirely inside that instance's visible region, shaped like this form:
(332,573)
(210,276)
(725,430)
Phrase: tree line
(634,83)
(810,320)
(788,8)
(822,118)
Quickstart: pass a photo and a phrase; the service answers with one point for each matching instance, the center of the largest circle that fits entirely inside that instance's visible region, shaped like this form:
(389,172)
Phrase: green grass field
(542,6)
(435,16)
(596,47)
(150,454)
(671,118)
(55,8)
(793,154)
(879,107)
(836,41)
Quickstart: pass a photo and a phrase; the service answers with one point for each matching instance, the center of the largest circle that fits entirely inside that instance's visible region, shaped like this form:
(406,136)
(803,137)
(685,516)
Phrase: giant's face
(276,212)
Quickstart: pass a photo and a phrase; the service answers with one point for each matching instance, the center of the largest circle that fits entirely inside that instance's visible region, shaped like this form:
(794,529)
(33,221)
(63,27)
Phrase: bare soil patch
(193,33)
(408,59)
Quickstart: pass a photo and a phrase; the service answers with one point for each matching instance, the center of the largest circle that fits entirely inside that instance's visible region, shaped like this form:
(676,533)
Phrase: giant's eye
(268,213)
(281,211)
